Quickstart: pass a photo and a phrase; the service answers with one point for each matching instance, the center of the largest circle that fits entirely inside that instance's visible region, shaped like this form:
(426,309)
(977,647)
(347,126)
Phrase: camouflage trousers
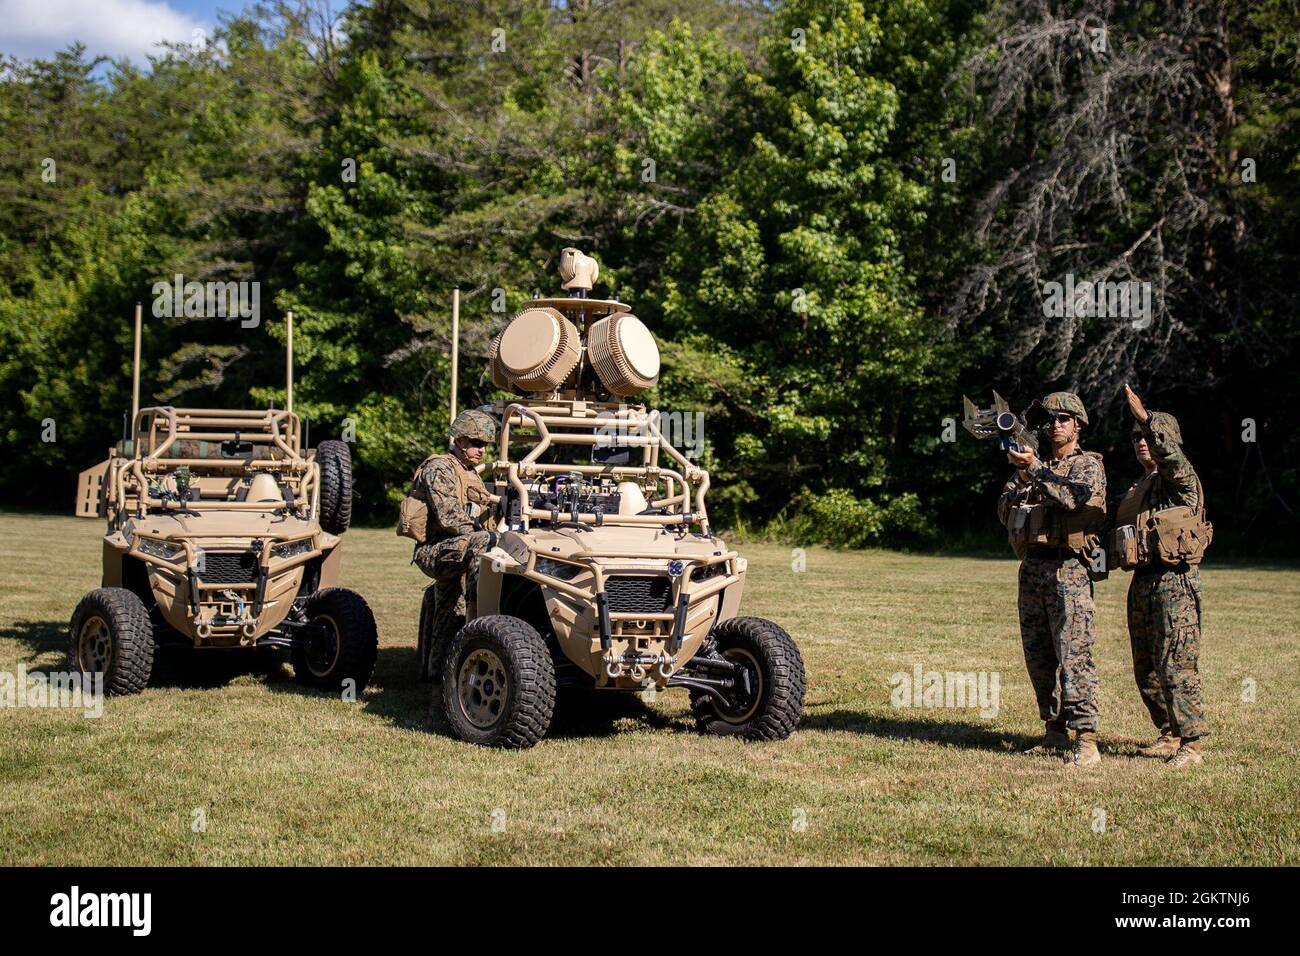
(1057,630)
(453,565)
(1164,628)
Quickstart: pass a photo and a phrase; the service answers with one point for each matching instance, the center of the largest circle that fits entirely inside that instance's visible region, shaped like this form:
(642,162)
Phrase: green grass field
(287,776)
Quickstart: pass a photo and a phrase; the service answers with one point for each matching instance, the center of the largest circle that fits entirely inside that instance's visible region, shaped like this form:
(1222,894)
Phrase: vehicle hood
(648,543)
(221,524)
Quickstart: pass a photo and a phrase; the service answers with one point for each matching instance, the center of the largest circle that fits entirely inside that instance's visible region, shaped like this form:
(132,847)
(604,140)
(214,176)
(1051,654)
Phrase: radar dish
(624,354)
(538,350)
(500,378)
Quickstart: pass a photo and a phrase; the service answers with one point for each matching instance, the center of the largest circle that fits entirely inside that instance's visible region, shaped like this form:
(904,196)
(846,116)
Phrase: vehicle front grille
(239,567)
(639,594)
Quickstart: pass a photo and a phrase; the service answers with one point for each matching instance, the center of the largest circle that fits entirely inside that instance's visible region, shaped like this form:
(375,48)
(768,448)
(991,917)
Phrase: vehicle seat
(631,500)
(264,489)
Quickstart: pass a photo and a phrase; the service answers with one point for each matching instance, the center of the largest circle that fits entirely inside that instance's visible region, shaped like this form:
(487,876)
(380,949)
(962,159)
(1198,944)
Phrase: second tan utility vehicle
(223,533)
(606,574)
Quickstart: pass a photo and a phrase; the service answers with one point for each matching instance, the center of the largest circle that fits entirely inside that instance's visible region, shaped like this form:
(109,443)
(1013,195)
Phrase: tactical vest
(1144,535)
(1041,523)
(413,513)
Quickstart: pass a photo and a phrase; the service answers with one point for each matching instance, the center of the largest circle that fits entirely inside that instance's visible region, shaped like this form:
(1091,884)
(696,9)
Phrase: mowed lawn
(284,776)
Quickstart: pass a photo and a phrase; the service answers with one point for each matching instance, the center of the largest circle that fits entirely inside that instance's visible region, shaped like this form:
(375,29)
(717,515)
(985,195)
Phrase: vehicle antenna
(455,347)
(135,369)
(288,364)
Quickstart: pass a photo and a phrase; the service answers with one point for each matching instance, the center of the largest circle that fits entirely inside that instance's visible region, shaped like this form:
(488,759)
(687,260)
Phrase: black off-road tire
(126,642)
(355,642)
(335,461)
(523,707)
(773,656)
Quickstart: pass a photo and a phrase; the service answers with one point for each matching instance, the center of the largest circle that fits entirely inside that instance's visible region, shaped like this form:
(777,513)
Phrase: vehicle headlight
(709,571)
(557,569)
(291,549)
(160,549)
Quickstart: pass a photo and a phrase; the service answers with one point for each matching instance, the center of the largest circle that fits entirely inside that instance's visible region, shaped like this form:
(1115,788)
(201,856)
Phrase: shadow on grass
(952,733)
(40,637)
(396,695)
(175,665)
(183,668)
(963,734)
(392,693)
(582,714)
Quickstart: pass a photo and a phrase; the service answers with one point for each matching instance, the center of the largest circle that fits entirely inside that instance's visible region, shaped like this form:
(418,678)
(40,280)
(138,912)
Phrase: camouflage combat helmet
(1167,424)
(473,423)
(1066,402)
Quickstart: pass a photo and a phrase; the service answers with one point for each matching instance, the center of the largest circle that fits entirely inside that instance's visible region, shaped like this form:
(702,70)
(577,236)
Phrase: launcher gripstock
(1013,432)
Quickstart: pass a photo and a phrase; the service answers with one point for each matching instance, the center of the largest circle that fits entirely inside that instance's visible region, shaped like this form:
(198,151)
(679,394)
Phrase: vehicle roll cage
(157,430)
(559,422)
(275,428)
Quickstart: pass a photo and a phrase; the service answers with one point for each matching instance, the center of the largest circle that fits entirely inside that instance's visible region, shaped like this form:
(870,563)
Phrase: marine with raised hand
(454,538)
(1160,535)
(1055,512)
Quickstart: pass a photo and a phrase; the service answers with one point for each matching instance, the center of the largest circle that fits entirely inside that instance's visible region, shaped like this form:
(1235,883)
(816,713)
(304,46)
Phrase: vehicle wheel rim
(95,646)
(482,687)
(323,653)
(746,709)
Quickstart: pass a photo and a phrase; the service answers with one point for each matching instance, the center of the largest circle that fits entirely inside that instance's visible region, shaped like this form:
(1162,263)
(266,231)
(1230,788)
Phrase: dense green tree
(836,215)
(788,291)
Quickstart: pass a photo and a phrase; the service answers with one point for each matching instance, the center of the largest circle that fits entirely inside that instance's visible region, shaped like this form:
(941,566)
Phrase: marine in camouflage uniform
(454,541)
(1056,540)
(1164,601)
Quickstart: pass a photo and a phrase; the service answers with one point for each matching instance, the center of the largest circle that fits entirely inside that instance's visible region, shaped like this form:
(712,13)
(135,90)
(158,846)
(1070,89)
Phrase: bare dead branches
(1112,120)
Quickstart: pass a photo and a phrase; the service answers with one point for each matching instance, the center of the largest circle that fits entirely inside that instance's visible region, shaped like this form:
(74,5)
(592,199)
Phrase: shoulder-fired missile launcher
(1013,432)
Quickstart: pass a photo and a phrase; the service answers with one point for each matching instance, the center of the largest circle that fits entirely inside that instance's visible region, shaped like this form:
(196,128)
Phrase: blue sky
(129,28)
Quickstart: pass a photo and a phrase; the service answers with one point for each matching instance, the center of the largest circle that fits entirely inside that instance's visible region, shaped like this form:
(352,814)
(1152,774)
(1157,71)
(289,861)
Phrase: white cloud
(129,28)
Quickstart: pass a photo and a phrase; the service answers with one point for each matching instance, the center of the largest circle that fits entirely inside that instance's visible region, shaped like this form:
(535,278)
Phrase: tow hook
(639,666)
(237,601)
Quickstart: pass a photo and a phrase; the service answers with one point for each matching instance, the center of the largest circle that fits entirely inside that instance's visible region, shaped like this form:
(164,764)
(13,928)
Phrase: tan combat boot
(1085,752)
(1188,755)
(1165,747)
(1055,740)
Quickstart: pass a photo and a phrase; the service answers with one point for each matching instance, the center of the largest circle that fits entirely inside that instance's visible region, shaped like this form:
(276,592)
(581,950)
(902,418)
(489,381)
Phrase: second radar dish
(624,354)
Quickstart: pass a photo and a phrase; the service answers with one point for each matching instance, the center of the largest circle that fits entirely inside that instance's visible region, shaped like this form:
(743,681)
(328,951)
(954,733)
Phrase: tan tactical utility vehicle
(223,533)
(605,574)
